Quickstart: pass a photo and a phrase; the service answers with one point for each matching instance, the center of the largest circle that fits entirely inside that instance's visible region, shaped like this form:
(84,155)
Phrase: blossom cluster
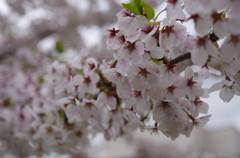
(50,102)
(147,70)
(60,106)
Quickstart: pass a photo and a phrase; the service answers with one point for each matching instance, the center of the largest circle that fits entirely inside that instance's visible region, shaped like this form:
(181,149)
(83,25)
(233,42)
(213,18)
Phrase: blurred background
(49,28)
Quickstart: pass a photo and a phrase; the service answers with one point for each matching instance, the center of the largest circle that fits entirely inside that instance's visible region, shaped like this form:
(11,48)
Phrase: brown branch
(181,58)
(187,55)
(212,36)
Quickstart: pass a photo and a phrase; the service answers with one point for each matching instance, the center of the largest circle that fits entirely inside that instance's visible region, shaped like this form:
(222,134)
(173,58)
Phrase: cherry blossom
(203,49)
(148,76)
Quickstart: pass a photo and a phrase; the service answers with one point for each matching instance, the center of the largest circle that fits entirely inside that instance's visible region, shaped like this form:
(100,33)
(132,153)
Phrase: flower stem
(158,15)
(221,63)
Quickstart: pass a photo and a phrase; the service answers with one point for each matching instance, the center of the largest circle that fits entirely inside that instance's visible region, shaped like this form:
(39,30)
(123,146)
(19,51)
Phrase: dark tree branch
(187,55)
(213,37)
(181,58)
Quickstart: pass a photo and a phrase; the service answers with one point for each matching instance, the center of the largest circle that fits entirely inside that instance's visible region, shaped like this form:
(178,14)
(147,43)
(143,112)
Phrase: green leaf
(59,47)
(136,1)
(132,7)
(7,101)
(149,10)
(63,116)
(139,5)
(40,80)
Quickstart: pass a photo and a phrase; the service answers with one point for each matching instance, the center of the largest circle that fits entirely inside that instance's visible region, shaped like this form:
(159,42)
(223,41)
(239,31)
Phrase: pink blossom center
(168,30)
(235,39)
(110,92)
(127,13)
(79,133)
(164,104)
(89,104)
(2,119)
(137,94)
(197,101)
(194,17)
(201,41)
(217,17)
(121,39)
(91,66)
(143,72)
(113,32)
(87,80)
(170,66)
(171,89)
(49,129)
(172,1)
(147,30)
(130,46)
(190,82)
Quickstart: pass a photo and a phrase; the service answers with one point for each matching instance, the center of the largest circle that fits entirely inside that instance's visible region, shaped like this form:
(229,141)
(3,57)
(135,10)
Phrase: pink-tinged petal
(111,102)
(235,66)
(122,66)
(175,10)
(203,108)
(211,49)
(73,113)
(102,98)
(198,90)
(187,129)
(152,80)
(198,6)
(157,114)
(203,24)
(188,73)
(179,93)
(139,83)
(111,43)
(135,36)
(191,94)
(136,58)
(220,4)
(85,112)
(216,87)
(141,105)
(153,68)
(227,82)
(157,93)
(142,21)
(220,29)
(124,53)
(130,102)
(199,56)
(157,53)
(124,89)
(236,89)
(226,94)
(139,48)
(214,71)
(186,105)
(150,42)
(237,78)
(107,136)
(228,50)
(94,77)
(165,41)
(145,57)
(196,68)
(201,121)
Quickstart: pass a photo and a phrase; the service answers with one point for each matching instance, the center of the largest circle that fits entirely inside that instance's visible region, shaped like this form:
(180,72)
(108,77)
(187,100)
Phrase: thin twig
(187,55)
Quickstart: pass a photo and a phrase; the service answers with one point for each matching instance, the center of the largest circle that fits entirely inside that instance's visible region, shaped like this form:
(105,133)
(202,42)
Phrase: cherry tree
(146,75)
